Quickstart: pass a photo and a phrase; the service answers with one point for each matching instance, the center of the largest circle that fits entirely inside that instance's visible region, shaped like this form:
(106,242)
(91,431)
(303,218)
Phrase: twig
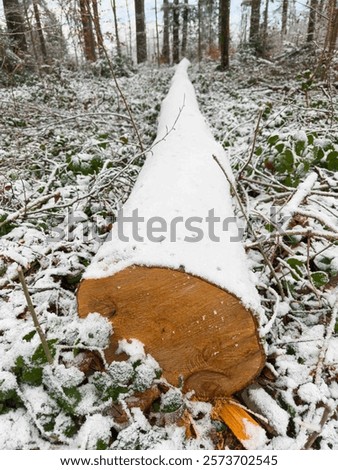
(303,190)
(326,414)
(252,230)
(23,211)
(267,328)
(35,317)
(333,236)
(320,217)
(253,145)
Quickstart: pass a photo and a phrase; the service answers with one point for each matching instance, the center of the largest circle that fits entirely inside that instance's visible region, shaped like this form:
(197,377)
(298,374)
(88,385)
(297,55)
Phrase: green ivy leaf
(29,336)
(319,278)
(39,356)
(332,161)
(273,139)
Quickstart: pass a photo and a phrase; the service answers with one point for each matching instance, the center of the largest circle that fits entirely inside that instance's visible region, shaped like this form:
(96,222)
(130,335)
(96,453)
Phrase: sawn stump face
(198,333)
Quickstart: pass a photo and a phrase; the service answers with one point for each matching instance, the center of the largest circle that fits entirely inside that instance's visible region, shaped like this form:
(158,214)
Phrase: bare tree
(40,31)
(141,35)
(265,27)
(166,45)
(334,32)
(312,21)
(97,27)
(185,17)
(224,40)
(254,34)
(176,29)
(157,36)
(88,35)
(285,7)
(16,26)
(199,19)
(117,35)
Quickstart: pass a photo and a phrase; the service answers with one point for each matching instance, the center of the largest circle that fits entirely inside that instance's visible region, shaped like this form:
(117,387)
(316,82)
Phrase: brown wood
(236,418)
(199,334)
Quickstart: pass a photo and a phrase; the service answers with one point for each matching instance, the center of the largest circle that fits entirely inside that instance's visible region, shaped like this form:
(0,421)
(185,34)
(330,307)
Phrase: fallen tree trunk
(174,274)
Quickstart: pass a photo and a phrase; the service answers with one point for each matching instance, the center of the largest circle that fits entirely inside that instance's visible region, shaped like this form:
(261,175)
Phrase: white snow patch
(332,352)
(257,437)
(261,402)
(310,393)
(134,348)
(96,428)
(17,432)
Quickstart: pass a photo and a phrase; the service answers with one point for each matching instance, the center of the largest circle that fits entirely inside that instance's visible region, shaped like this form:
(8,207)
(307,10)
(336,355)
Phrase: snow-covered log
(174,274)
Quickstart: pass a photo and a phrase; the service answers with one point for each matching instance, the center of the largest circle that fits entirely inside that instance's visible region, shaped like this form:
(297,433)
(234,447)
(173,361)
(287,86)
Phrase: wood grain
(200,335)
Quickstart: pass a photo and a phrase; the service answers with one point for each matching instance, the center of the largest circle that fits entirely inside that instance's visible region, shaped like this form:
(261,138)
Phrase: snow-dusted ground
(68,160)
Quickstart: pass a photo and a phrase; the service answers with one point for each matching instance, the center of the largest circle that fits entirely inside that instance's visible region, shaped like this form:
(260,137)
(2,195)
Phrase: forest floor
(68,160)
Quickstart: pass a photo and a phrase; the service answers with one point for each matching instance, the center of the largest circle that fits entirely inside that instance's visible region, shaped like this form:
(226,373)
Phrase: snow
(262,403)
(96,428)
(300,377)
(17,432)
(332,352)
(180,180)
(310,393)
(302,192)
(256,436)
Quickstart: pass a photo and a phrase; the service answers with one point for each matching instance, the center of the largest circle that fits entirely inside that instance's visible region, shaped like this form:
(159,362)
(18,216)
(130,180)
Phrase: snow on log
(174,274)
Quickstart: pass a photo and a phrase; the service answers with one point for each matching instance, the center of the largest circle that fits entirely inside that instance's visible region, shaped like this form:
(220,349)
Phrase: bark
(141,35)
(199,14)
(157,36)
(40,31)
(97,26)
(334,33)
(254,24)
(166,46)
(185,17)
(285,16)
(88,35)
(265,27)
(176,28)
(224,6)
(15,26)
(210,10)
(117,35)
(312,21)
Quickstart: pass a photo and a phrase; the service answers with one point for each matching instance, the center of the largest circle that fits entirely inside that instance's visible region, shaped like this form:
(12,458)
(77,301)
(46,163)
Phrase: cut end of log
(199,334)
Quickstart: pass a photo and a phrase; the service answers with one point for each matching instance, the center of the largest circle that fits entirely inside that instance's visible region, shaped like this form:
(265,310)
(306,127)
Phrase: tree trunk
(88,36)
(185,17)
(254,38)
(224,40)
(199,41)
(40,31)
(157,36)
(334,33)
(141,36)
(285,16)
(265,28)
(192,303)
(117,35)
(312,21)
(15,26)
(210,10)
(166,46)
(97,26)
(176,30)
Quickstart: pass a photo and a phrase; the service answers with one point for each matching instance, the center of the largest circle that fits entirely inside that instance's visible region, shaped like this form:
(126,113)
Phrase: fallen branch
(23,211)
(35,317)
